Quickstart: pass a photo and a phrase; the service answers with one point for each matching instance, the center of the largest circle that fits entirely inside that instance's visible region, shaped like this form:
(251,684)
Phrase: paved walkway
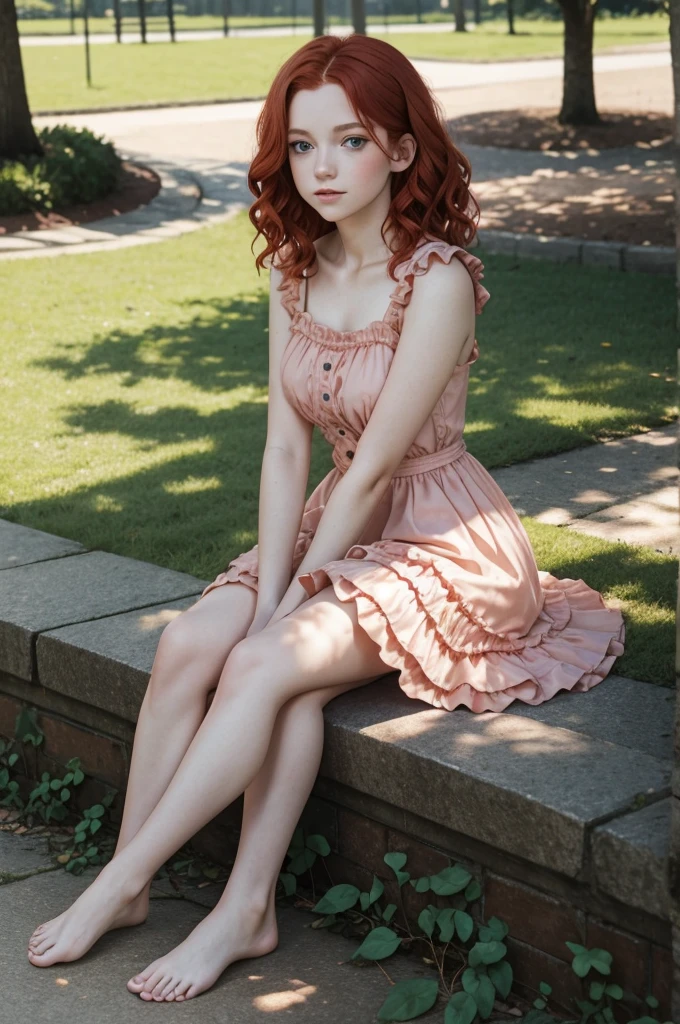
(624,490)
(207,149)
(307,978)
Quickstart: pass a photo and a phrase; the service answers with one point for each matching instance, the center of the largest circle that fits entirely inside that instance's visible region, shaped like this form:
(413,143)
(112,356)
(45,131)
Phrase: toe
(170,986)
(181,990)
(42,947)
(159,987)
(152,980)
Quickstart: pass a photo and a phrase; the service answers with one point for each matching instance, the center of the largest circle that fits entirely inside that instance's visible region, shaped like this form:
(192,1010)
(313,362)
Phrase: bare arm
(438,322)
(285,471)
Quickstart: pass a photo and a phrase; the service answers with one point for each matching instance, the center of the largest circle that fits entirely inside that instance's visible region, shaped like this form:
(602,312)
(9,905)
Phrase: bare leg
(191,654)
(319,645)
(243,923)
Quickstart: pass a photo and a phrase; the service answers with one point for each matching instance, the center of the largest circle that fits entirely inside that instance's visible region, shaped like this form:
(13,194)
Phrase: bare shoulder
(442,280)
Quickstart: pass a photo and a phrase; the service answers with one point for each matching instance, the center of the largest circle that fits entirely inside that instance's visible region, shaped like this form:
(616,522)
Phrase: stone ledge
(21,545)
(75,588)
(535,783)
(630,854)
(526,786)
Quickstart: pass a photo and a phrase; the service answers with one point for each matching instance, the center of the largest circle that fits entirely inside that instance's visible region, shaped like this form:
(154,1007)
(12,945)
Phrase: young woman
(407,555)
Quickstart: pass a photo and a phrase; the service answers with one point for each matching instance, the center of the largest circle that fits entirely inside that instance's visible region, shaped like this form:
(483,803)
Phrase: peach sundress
(443,576)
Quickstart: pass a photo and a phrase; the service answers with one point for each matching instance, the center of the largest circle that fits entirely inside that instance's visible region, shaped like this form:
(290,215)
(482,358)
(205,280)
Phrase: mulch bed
(634,208)
(537,128)
(137,186)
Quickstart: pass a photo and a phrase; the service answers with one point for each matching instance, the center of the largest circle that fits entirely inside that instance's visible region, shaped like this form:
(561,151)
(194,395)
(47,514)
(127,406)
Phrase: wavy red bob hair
(432,196)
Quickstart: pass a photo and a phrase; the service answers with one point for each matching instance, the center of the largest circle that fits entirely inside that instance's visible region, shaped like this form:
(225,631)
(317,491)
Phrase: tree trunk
(578,97)
(511,17)
(675,60)
(319,17)
(459,11)
(17,136)
(359,17)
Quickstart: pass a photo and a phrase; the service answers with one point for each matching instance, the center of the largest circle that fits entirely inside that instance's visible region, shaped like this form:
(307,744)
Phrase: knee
(177,665)
(178,642)
(251,667)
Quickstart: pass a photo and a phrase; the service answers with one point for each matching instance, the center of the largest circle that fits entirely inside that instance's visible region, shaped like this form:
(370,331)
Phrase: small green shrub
(77,167)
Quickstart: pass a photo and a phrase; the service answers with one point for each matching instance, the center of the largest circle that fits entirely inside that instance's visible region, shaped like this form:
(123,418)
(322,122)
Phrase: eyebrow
(338,128)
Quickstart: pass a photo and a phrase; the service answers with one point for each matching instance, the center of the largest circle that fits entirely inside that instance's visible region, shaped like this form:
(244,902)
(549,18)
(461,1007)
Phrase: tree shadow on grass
(197,509)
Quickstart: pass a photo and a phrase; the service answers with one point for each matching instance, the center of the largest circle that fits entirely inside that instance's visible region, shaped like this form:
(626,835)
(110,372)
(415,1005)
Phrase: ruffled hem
(420,262)
(452,659)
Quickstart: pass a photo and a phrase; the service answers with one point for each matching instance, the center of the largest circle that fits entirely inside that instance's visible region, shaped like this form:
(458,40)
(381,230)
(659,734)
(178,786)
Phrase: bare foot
(192,967)
(104,905)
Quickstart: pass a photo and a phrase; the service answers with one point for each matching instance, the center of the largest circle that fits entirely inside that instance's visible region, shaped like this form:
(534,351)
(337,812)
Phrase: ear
(403,152)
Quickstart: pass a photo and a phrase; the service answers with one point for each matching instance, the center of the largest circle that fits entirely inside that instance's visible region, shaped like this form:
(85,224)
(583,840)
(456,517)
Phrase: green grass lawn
(134,389)
(243,68)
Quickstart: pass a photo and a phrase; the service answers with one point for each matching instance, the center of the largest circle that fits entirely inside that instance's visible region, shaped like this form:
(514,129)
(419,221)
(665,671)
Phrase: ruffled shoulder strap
(419,263)
(290,293)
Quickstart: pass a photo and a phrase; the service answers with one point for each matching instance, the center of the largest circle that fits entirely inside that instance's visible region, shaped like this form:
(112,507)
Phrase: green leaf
(378,944)
(498,928)
(78,777)
(446,924)
(302,862)
(545,988)
(94,827)
(409,999)
(319,844)
(450,880)
(464,924)
(485,996)
(55,783)
(396,861)
(580,965)
(389,912)
(363,900)
(652,1001)
(427,921)
(615,991)
(64,795)
(473,891)
(460,1009)
(470,980)
(501,975)
(339,898)
(575,948)
(289,882)
(601,960)
(596,989)
(421,884)
(486,953)
(377,889)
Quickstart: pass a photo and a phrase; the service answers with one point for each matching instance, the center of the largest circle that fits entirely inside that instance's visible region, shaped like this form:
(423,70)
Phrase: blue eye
(298,142)
(356,138)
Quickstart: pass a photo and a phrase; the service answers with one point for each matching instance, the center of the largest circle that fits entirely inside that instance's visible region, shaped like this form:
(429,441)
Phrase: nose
(324,166)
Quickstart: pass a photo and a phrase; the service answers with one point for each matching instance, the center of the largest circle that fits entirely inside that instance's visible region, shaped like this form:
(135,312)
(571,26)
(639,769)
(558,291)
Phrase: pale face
(329,149)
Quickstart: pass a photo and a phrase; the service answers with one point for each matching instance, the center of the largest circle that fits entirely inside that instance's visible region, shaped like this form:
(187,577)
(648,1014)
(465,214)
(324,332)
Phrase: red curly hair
(432,196)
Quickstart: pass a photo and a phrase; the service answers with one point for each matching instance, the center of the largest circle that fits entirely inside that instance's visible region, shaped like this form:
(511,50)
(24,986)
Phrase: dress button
(325,396)
(341,431)
(326,366)
(350,455)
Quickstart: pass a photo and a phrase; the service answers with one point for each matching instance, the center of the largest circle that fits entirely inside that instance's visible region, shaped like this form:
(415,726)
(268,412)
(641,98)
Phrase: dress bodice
(333,378)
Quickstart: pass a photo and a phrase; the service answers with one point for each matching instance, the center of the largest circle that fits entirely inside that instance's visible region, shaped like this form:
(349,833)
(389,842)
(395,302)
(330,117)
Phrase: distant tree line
(334,8)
